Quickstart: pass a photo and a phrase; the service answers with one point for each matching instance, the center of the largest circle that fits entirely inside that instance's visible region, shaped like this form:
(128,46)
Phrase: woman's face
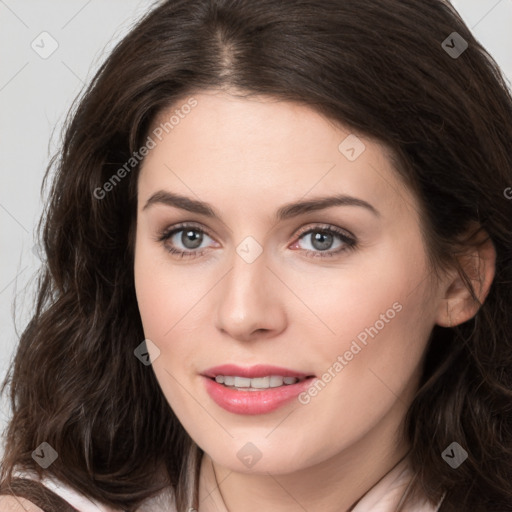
(303,251)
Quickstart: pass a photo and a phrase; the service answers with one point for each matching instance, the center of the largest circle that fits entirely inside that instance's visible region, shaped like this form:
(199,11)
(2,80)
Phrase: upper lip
(251,372)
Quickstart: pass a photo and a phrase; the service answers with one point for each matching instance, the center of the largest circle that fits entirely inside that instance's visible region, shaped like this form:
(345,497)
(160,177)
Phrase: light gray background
(36,92)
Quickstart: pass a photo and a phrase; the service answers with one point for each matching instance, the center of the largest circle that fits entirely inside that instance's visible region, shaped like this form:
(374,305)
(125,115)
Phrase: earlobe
(479,264)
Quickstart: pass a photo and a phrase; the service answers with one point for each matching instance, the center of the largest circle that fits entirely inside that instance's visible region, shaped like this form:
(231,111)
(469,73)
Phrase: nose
(250,301)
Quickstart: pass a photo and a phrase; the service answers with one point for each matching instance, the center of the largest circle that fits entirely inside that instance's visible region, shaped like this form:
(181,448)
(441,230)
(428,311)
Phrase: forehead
(239,149)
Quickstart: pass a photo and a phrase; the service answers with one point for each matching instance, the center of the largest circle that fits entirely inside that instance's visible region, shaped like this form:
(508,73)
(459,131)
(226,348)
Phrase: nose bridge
(247,302)
(247,279)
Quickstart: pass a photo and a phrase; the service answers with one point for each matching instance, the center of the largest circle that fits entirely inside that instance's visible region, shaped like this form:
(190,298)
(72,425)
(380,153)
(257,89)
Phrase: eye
(323,238)
(183,240)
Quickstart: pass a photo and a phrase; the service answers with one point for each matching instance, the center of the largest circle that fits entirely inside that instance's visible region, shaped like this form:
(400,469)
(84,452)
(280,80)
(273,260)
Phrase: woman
(278,270)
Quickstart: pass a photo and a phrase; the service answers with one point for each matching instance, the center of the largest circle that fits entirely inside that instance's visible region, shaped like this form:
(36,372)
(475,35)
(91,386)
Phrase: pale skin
(290,307)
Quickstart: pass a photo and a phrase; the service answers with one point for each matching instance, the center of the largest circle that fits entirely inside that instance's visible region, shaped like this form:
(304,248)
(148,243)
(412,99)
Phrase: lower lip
(254,402)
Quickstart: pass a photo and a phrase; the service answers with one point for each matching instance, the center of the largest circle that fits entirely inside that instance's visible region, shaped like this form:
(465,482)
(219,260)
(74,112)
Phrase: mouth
(254,390)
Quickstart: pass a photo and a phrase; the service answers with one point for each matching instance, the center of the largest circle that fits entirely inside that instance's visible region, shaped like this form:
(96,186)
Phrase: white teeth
(242,382)
(271,381)
(276,381)
(260,382)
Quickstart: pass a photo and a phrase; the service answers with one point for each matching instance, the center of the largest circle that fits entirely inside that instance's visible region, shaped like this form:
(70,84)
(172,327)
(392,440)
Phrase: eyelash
(349,241)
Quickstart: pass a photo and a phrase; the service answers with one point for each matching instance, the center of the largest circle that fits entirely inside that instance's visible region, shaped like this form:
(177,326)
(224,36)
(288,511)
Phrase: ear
(479,263)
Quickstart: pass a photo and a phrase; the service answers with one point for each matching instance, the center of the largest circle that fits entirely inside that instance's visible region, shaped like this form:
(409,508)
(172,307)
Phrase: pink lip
(253,402)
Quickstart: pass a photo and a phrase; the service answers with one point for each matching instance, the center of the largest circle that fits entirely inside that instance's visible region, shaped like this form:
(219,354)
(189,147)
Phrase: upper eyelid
(184,225)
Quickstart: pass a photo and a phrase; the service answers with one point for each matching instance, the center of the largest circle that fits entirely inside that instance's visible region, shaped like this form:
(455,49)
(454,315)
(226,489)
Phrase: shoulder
(15,504)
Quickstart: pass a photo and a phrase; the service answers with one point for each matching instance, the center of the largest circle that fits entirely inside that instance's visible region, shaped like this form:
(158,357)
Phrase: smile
(256,390)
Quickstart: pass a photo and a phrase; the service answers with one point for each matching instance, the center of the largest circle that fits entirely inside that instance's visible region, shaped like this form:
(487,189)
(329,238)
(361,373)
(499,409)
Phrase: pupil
(322,241)
(191,239)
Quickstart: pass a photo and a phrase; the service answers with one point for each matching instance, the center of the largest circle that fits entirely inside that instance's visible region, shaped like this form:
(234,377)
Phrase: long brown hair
(378,67)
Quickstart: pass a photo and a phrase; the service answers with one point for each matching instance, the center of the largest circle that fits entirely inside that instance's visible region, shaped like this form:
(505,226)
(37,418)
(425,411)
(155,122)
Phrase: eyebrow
(286,211)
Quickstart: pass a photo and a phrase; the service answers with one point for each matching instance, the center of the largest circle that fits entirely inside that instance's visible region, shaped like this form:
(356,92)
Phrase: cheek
(164,293)
(380,316)
(152,295)
(163,304)
(380,296)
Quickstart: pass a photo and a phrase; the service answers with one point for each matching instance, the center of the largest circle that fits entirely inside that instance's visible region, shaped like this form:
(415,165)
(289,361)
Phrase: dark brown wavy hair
(378,67)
